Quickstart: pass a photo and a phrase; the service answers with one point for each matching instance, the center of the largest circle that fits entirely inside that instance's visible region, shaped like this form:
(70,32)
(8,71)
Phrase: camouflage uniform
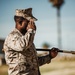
(21,55)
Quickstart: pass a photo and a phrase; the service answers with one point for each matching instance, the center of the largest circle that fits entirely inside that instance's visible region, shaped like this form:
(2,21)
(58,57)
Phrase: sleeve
(18,43)
(44,59)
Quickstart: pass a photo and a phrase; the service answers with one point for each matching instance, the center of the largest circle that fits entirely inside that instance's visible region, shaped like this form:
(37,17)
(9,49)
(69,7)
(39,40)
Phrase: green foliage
(45,45)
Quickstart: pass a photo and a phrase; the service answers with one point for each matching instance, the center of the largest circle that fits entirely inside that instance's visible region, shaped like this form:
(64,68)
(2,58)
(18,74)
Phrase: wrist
(31,30)
(50,55)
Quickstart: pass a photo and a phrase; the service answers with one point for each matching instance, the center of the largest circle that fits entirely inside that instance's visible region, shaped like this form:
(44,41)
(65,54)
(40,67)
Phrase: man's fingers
(31,25)
(31,21)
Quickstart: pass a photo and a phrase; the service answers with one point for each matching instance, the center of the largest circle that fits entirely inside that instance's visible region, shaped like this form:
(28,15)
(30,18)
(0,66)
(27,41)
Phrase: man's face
(24,24)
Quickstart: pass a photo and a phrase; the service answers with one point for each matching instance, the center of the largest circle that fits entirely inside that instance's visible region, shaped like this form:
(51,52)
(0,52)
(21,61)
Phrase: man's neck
(23,31)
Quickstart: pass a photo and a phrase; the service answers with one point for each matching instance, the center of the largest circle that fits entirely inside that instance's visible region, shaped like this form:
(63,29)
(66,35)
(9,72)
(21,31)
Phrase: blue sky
(47,21)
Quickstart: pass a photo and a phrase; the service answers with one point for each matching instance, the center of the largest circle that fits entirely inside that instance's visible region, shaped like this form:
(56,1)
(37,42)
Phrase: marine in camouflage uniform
(21,55)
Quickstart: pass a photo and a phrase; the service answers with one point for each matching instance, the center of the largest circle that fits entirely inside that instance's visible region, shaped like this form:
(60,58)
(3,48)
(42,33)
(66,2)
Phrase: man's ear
(20,22)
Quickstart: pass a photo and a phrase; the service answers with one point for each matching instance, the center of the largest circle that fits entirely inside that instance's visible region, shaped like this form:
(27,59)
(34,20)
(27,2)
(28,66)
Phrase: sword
(62,51)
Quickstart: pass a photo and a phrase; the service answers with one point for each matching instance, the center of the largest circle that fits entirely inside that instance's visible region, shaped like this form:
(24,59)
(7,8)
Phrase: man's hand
(53,53)
(31,25)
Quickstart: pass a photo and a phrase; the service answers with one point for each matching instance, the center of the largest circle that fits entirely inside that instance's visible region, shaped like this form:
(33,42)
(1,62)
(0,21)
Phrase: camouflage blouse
(21,55)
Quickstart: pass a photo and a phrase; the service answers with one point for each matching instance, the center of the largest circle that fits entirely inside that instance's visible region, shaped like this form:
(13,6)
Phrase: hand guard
(53,53)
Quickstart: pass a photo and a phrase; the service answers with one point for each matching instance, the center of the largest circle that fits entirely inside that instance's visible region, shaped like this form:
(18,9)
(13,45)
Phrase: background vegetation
(63,65)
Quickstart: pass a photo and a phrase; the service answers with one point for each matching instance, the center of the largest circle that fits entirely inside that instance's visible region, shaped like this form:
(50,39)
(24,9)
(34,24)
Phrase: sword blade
(62,51)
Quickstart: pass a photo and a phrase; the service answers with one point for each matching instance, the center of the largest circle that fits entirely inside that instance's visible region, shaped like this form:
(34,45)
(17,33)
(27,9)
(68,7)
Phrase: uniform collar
(18,31)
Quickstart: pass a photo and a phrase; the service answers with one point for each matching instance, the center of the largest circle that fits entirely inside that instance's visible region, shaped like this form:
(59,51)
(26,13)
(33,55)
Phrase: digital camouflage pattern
(21,55)
(25,13)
